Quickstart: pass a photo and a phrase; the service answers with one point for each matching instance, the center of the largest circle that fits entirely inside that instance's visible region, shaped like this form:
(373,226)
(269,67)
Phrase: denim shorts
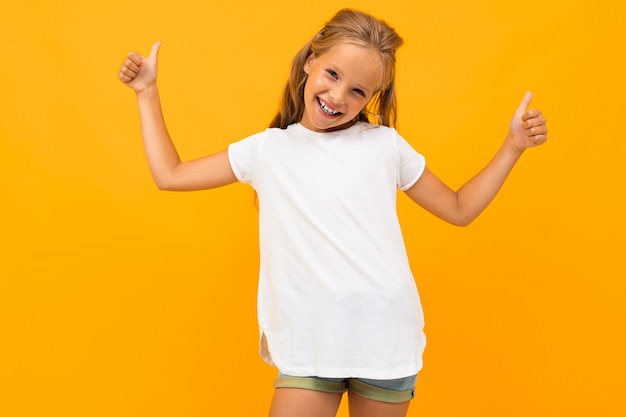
(385,390)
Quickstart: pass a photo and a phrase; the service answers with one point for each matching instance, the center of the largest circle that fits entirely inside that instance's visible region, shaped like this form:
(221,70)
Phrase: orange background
(120,300)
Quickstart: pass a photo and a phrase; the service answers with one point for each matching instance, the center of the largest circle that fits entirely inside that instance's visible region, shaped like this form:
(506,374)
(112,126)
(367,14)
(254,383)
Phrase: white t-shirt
(336,294)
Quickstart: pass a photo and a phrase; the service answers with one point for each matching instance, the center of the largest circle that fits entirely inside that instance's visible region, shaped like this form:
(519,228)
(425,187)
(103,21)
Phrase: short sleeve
(243,156)
(411,164)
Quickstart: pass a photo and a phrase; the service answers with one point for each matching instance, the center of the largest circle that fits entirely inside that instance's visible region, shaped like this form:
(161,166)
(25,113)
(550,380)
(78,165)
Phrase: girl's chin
(323,122)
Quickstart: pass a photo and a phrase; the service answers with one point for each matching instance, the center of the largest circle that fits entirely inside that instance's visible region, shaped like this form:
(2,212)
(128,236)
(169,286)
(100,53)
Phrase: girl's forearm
(160,151)
(476,194)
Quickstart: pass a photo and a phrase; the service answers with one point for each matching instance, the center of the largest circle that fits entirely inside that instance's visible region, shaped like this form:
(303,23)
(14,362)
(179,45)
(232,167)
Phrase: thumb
(154,52)
(525,102)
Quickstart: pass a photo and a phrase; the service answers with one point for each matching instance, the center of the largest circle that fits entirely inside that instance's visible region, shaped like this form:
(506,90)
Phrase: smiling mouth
(326,108)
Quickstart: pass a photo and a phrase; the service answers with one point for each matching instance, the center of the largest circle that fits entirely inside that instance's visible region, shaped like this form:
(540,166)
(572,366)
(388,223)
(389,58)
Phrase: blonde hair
(357,28)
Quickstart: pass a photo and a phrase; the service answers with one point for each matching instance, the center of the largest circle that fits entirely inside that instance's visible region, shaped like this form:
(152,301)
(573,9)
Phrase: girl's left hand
(528,127)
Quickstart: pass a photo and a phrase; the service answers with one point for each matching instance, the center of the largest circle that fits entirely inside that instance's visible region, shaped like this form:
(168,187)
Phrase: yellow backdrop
(120,300)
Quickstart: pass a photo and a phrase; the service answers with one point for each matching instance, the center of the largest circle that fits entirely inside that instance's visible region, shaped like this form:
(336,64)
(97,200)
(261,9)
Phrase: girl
(338,307)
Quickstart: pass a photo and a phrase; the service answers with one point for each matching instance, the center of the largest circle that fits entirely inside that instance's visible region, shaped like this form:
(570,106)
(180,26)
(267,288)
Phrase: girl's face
(340,83)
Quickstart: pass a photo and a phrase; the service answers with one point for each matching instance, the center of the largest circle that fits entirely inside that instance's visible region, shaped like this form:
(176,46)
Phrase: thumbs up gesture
(139,72)
(528,127)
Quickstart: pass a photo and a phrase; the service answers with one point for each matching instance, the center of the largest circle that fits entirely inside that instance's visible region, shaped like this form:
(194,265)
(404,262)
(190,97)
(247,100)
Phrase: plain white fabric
(336,295)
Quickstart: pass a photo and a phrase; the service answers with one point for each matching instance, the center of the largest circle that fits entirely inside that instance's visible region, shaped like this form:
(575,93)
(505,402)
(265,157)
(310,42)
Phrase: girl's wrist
(147,92)
(510,141)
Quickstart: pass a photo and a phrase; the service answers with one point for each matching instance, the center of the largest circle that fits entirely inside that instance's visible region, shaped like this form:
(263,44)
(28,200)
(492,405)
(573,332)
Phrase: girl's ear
(308,63)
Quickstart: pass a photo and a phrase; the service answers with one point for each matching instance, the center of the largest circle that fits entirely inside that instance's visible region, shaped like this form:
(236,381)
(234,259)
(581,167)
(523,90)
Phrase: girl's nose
(337,95)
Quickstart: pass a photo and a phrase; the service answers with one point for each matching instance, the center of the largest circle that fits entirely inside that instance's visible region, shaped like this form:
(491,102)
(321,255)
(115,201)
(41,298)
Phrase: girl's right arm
(169,173)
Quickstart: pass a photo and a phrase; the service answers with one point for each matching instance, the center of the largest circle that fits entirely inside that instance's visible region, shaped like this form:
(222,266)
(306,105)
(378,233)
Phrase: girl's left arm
(527,129)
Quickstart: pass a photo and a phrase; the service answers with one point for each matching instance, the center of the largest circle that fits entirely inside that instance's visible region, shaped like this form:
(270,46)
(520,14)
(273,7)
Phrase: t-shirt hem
(233,166)
(417,177)
(352,373)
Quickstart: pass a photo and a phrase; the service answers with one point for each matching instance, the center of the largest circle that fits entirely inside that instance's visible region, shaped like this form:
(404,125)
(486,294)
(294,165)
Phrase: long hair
(357,28)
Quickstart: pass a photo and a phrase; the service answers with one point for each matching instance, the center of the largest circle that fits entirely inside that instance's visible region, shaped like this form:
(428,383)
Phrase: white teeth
(327,109)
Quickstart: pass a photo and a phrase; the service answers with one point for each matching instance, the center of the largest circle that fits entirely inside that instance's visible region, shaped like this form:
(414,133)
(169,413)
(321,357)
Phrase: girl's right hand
(139,72)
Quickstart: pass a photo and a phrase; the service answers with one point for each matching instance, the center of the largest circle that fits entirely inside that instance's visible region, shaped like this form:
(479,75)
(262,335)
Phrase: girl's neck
(340,127)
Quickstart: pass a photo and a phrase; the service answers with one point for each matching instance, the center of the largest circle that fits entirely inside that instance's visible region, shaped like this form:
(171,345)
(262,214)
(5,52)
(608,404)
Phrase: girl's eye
(359,92)
(332,73)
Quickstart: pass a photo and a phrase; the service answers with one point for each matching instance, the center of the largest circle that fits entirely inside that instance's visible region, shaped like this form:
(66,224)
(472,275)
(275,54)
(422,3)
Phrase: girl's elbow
(164,183)
(165,178)
(458,222)
(463,222)
(163,186)
(461,219)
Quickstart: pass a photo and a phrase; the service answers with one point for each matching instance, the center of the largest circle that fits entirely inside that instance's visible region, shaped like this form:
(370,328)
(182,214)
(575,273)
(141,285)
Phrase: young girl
(338,307)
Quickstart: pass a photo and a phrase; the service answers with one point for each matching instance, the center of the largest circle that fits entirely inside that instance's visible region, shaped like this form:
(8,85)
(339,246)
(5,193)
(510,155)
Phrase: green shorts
(385,390)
